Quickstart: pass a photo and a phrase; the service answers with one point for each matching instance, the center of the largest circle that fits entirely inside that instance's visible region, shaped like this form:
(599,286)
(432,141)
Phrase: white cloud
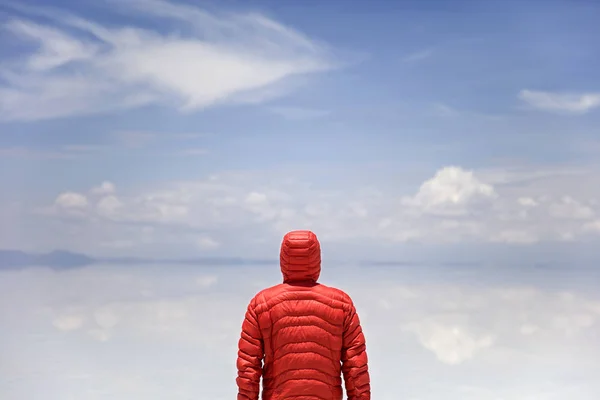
(593,226)
(569,208)
(514,236)
(452,191)
(527,201)
(451,343)
(255,198)
(569,103)
(108,206)
(71,200)
(207,243)
(68,322)
(104,188)
(455,205)
(99,335)
(105,318)
(83,67)
(207,281)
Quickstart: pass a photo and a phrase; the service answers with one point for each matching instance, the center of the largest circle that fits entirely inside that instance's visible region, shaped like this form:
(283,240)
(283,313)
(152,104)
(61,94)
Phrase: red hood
(300,257)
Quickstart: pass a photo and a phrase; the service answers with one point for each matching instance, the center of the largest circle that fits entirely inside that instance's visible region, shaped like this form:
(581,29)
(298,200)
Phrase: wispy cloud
(299,113)
(446,111)
(29,153)
(566,103)
(140,139)
(443,110)
(83,148)
(418,56)
(80,66)
(134,139)
(60,153)
(195,152)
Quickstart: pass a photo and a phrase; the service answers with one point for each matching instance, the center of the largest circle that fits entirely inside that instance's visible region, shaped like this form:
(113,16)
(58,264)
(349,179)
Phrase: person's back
(307,334)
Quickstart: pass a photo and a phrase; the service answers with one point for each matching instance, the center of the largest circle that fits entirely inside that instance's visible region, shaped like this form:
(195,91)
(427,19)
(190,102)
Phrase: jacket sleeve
(354,358)
(250,356)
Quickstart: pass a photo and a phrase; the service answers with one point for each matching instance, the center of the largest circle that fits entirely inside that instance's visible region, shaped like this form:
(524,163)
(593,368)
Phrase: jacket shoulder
(264,295)
(336,294)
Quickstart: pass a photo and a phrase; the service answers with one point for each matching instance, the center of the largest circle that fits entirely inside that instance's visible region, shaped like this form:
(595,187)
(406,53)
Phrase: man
(306,333)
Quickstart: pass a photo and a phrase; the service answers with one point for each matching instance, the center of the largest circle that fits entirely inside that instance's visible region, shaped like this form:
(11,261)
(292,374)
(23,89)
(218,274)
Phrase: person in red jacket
(301,336)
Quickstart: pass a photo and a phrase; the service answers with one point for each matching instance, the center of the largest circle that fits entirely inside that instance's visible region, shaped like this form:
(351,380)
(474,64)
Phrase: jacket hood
(300,257)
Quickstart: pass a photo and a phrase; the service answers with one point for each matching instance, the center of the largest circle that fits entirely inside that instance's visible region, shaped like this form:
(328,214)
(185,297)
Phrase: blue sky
(229,123)
(459,137)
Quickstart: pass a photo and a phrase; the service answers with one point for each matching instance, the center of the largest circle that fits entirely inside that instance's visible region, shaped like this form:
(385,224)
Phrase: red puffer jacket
(306,333)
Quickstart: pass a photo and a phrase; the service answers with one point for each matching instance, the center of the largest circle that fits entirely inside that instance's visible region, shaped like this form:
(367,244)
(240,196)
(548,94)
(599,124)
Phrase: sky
(150,128)
(459,138)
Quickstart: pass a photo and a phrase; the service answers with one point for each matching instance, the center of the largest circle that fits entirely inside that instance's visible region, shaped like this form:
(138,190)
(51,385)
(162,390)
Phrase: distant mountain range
(55,259)
(538,258)
(62,259)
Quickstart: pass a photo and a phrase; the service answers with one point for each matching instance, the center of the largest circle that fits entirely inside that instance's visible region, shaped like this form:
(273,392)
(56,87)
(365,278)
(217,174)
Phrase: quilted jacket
(300,336)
